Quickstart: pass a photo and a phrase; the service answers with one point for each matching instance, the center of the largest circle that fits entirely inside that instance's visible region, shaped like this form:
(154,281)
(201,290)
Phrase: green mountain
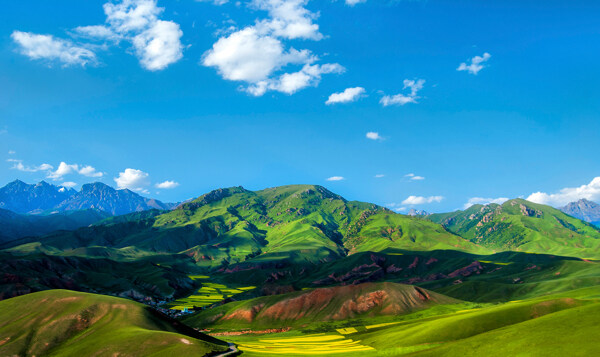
(67,323)
(520,225)
(298,224)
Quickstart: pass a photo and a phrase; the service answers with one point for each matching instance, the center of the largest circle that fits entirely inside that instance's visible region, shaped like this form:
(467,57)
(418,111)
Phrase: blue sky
(198,95)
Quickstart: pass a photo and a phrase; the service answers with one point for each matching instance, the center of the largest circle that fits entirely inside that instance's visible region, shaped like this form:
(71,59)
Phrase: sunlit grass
(319,344)
(208,294)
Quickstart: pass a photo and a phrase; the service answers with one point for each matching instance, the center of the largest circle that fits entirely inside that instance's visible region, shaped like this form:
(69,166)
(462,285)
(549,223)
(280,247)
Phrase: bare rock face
(583,209)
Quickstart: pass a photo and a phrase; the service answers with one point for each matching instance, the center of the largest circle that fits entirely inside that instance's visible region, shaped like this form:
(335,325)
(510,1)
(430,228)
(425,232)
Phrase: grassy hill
(68,323)
(323,304)
(298,224)
(524,226)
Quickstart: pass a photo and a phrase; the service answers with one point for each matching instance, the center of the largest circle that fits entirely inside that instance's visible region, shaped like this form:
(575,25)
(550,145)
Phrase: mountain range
(44,198)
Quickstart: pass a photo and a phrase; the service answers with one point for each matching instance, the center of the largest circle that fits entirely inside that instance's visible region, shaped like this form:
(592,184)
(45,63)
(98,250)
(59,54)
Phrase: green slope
(524,226)
(297,224)
(66,323)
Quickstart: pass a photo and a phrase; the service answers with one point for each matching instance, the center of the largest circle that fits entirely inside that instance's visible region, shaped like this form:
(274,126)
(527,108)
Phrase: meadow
(210,293)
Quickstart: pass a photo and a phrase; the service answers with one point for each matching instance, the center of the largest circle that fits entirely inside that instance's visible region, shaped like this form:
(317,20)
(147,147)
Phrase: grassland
(210,293)
(67,323)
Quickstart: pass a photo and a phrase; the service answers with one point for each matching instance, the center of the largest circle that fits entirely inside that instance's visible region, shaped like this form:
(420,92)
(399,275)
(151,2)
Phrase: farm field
(316,344)
(210,293)
(554,324)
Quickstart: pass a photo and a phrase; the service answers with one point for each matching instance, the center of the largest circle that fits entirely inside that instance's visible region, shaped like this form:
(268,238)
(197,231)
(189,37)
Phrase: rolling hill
(520,225)
(68,323)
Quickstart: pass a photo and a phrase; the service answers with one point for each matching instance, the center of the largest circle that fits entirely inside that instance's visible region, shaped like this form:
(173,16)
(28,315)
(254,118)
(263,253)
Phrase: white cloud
(49,48)
(18,165)
(484,201)
(11,152)
(69,184)
(156,43)
(354,2)
(90,171)
(401,99)
(135,180)
(167,185)
(68,169)
(414,177)
(379,176)
(373,135)
(419,200)
(254,54)
(347,96)
(476,64)
(335,178)
(566,195)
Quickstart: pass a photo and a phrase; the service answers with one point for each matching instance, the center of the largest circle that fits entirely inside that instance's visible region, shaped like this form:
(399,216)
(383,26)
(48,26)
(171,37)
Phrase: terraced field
(210,293)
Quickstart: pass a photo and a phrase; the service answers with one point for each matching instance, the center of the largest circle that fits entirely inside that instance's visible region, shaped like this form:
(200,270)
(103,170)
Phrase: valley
(299,270)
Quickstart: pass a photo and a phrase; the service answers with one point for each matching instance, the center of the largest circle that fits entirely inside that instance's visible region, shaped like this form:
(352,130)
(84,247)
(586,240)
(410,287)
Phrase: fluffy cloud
(68,184)
(68,169)
(401,99)
(414,177)
(11,152)
(336,178)
(167,185)
(156,43)
(135,180)
(419,200)
(256,53)
(590,192)
(347,96)
(18,165)
(49,48)
(373,135)
(476,64)
(379,176)
(484,201)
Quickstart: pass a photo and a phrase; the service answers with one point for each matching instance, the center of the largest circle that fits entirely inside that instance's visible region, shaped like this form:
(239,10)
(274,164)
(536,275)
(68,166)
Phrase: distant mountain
(105,198)
(20,197)
(15,225)
(585,210)
(521,225)
(44,198)
(413,212)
